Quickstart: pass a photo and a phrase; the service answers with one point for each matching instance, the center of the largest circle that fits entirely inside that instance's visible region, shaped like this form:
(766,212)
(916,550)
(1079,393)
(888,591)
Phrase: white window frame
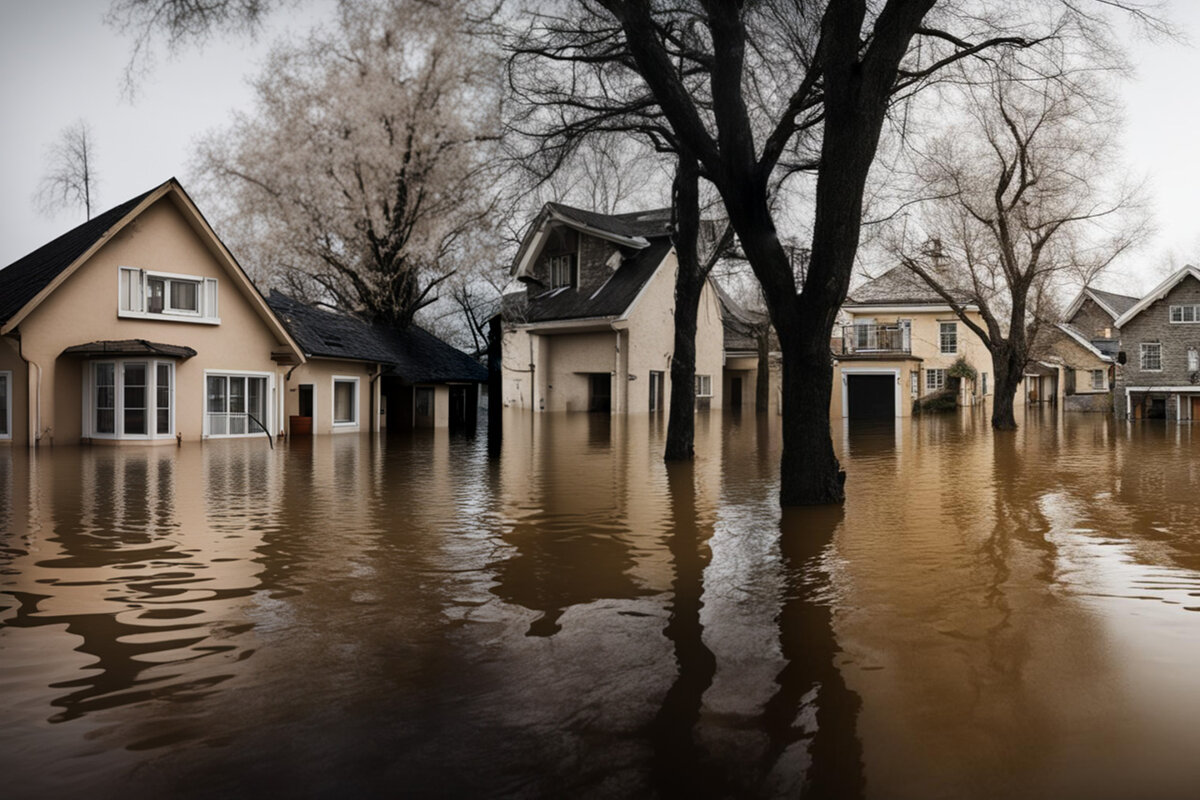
(1145,351)
(704,386)
(943,333)
(1184,311)
(268,402)
(932,385)
(6,377)
(1099,379)
(914,383)
(151,407)
(207,296)
(334,381)
(1193,360)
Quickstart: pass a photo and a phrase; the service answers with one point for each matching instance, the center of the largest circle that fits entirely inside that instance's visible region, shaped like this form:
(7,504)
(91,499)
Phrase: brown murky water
(989,616)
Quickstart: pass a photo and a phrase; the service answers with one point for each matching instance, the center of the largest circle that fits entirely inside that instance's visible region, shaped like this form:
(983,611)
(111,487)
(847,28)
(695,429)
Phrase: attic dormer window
(562,271)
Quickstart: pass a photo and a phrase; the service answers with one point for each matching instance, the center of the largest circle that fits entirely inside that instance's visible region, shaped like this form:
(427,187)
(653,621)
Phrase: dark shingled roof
(129,347)
(899,286)
(740,324)
(647,224)
(21,280)
(414,354)
(1119,303)
(610,300)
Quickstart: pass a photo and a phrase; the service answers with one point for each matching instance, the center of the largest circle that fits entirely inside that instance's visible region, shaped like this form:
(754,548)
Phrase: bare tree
(361,180)
(1026,207)
(70,179)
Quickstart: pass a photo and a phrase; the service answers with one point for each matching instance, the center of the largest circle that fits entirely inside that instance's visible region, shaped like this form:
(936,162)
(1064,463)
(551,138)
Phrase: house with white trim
(593,327)
(1158,372)
(898,346)
(139,327)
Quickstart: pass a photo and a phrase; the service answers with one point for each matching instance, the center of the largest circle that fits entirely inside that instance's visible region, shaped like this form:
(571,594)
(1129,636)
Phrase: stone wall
(1092,320)
(1153,325)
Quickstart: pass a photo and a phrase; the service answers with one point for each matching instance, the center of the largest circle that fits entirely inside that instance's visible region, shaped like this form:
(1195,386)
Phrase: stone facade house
(901,339)
(1158,374)
(593,327)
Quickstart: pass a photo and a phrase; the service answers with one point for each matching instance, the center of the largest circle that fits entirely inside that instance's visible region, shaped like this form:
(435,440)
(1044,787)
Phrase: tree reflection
(812,703)
(681,768)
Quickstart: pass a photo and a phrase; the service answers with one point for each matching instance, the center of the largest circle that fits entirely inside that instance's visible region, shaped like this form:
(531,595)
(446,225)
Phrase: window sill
(190,318)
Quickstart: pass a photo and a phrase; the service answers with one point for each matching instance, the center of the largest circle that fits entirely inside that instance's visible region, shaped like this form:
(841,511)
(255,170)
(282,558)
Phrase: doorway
(735,394)
(656,391)
(870,396)
(600,392)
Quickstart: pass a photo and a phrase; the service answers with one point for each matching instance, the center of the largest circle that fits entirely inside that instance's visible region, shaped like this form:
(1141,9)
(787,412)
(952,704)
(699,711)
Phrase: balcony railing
(869,338)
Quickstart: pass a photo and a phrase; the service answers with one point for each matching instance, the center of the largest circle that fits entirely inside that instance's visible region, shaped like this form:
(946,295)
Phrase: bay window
(6,392)
(125,396)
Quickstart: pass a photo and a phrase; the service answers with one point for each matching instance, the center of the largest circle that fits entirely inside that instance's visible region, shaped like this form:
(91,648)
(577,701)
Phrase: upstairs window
(150,295)
(948,337)
(1193,360)
(562,271)
(1152,357)
(1188,313)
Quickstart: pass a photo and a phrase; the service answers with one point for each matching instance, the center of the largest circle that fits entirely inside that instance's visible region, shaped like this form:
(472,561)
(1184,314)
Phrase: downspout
(33,389)
(617,387)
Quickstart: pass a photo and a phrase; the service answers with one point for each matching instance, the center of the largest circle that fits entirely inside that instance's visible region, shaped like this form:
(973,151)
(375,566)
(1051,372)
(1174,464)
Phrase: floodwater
(989,615)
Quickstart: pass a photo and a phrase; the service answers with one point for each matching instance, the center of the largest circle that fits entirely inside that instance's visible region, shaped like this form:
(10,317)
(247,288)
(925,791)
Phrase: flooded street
(989,615)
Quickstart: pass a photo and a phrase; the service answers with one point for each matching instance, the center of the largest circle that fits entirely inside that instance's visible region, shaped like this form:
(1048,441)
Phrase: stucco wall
(320,373)
(1153,325)
(18,393)
(84,309)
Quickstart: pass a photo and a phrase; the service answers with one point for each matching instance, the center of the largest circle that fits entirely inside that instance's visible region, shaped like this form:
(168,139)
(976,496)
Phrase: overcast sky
(60,63)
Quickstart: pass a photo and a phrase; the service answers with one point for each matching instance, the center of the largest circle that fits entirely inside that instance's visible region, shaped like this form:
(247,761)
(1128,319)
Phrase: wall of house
(746,368)
(320,373)
(1153,324)
(84,309)
(1093,321)
(926,345)
(1073,357)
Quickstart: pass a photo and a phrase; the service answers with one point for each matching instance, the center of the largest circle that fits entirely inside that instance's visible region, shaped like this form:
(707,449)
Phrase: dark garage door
(871,396)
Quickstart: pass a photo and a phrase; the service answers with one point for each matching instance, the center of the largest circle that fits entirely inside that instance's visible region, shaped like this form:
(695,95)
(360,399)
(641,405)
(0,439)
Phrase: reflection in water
(812,703)
(990,615)
(681,766)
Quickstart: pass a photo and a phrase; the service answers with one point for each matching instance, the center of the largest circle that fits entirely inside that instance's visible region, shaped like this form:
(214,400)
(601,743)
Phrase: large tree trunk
(809,472)
(681,420)
(689,285)
(1008,378)
(762,383)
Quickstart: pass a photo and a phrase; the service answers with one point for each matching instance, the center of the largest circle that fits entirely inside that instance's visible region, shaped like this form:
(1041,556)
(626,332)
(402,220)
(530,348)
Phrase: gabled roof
(22,280)
(740,325)
(1078,337)
(645,224)
(1111,303)
(612,299)
(634,230)
(899,286)
(414,354)
(25,283)
(1157,293)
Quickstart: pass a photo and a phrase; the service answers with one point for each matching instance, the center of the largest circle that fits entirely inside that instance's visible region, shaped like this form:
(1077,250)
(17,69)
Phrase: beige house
(139,327)
(399,379)
(593,329)
(899,344)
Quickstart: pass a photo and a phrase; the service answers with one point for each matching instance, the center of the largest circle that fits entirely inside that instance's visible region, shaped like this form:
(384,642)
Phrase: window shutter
(210,298)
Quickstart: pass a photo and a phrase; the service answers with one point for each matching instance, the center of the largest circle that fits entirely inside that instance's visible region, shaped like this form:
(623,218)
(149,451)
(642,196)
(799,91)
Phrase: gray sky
(61,63)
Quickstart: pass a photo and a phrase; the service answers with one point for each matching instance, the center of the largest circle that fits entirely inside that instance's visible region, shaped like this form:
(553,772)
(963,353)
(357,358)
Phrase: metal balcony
(872,339)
